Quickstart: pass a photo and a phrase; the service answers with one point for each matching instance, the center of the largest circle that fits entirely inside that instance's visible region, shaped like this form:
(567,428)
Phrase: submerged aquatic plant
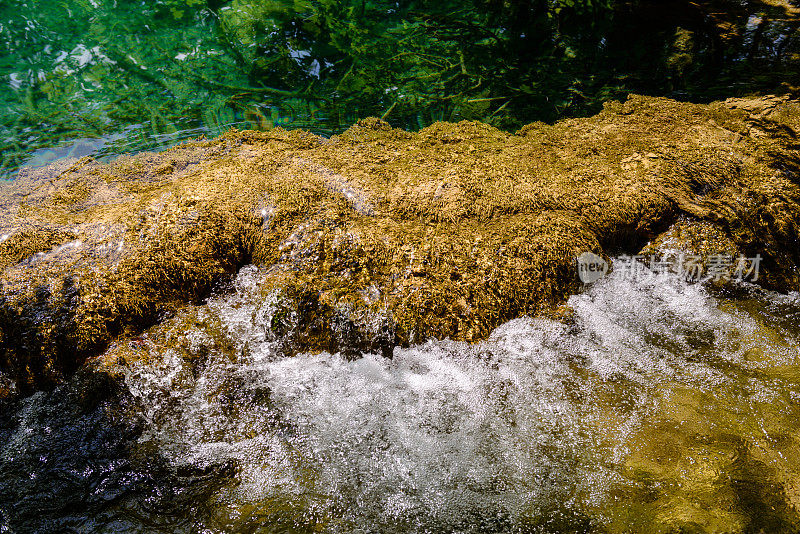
(126,75)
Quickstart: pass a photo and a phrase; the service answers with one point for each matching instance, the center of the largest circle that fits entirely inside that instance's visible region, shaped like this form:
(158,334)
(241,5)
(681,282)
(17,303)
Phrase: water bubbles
(544,423)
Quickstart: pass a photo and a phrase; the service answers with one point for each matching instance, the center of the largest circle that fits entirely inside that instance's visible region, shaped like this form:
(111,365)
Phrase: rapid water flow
(658,405)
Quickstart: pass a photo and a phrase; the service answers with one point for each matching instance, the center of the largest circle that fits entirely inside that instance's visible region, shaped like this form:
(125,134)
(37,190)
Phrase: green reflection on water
(111,76)
(104,77)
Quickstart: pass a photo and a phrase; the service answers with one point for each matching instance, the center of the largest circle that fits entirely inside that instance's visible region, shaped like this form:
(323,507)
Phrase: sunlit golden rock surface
(378,236)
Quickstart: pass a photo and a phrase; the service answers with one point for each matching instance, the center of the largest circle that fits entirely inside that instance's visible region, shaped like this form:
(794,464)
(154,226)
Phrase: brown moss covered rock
(380,236)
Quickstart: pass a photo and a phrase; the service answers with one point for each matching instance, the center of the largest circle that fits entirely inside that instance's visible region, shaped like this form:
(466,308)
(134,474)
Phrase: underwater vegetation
(125,76)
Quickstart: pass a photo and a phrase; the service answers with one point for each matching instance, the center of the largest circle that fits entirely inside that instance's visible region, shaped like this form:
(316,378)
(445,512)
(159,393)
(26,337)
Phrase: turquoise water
(103,77)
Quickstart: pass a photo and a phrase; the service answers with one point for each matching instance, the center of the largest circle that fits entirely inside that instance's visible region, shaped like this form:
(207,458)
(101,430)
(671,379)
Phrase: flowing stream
(660,406)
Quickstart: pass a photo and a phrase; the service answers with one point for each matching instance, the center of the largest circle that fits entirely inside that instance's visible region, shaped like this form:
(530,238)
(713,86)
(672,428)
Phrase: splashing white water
(446,435)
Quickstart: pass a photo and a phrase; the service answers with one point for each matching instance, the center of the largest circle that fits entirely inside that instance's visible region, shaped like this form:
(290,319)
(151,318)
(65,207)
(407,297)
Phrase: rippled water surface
(657,407)
(105,77)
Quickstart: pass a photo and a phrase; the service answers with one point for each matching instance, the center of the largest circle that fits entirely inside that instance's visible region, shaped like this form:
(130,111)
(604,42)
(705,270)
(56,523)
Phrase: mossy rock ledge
(378,236)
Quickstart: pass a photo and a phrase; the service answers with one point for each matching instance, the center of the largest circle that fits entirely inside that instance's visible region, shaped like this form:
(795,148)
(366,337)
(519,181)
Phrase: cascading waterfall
(658,403)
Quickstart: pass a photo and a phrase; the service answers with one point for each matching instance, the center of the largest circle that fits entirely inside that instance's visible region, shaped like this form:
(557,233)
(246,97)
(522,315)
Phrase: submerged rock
(380,237)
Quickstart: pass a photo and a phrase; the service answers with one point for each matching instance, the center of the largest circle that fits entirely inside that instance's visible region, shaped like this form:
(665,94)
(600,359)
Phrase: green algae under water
(101,78)
(662,407)
(104,77)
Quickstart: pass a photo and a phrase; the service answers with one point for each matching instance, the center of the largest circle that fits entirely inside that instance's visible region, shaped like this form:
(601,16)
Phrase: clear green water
(103,77)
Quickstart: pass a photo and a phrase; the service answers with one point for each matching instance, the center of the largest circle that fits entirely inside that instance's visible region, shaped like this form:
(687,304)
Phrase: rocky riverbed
(379,238)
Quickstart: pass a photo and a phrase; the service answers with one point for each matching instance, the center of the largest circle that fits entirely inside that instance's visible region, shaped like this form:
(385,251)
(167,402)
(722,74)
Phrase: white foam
(445,430)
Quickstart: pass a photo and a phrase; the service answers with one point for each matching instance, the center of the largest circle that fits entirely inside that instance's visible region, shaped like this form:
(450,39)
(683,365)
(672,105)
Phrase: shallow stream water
(661,406)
